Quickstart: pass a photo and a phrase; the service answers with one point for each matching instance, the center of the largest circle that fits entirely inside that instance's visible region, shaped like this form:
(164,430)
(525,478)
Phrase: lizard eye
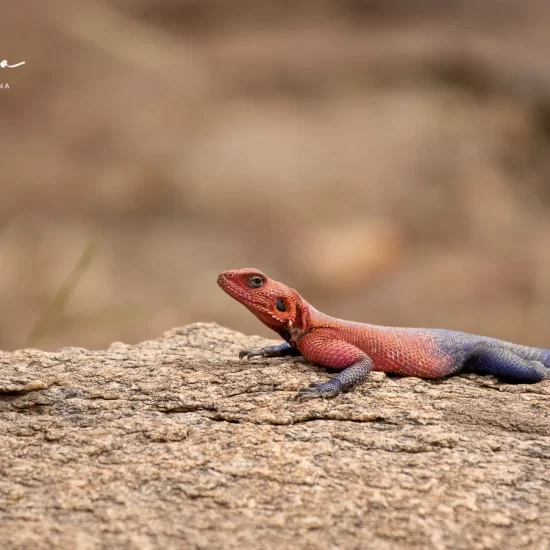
(255,281)
(281,306)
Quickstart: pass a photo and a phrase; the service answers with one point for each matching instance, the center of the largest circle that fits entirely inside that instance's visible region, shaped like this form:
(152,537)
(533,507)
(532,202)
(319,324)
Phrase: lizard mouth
(231,287)
(222,279)
(224,283)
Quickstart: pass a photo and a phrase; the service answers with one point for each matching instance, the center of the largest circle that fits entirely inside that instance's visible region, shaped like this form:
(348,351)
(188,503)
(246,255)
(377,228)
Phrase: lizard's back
(428,353)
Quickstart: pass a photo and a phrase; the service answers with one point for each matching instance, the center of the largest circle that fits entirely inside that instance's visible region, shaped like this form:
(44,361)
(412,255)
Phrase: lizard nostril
(222,277)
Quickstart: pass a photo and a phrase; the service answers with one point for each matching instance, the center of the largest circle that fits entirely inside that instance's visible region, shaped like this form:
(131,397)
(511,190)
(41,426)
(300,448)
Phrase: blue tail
(510,363)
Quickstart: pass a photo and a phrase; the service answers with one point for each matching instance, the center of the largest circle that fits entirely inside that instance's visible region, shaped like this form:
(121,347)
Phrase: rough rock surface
(173,443)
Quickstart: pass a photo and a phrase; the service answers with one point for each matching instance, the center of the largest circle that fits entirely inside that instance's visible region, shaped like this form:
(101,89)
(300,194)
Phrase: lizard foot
(318,389)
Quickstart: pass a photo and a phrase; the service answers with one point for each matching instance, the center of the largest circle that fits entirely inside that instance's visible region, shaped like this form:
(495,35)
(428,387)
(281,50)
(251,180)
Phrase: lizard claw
(249,353)
(318,389)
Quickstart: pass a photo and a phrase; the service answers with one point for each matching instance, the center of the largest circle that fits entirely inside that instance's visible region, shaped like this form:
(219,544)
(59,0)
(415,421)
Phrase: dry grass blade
(48,319)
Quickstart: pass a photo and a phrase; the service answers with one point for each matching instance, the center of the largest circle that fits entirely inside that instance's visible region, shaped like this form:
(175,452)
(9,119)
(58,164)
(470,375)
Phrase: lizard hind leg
(505,364)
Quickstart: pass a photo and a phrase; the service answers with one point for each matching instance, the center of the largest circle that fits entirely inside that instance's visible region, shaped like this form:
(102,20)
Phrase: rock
(174,443)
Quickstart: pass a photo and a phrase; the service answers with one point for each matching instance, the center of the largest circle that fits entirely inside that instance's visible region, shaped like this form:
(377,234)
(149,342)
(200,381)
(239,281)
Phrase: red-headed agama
(356,349)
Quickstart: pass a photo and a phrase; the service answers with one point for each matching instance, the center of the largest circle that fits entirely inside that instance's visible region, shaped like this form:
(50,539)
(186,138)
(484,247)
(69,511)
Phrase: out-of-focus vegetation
(388,158)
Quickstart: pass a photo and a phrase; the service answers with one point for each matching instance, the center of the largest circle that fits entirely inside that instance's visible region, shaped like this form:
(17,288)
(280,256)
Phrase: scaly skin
(356,349)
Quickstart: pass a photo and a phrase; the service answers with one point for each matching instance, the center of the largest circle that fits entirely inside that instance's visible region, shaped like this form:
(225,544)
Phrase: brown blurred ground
(389,159)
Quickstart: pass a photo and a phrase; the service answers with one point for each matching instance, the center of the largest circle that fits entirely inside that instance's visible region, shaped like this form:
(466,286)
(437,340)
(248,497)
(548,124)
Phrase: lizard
(355,349)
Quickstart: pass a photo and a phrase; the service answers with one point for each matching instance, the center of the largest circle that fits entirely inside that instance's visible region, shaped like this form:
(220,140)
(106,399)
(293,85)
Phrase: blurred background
(387,158)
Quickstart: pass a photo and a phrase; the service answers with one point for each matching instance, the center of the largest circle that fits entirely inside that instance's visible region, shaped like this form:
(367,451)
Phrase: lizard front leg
(280,350)
(323,348)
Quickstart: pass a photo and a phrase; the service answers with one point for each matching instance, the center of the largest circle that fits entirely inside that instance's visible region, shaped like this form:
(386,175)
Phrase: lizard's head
(273,303)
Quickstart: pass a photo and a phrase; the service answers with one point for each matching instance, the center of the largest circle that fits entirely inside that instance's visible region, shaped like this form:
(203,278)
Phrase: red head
(274,304)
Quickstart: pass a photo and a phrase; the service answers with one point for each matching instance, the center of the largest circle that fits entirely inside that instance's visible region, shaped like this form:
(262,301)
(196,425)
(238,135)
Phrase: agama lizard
(356,349)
